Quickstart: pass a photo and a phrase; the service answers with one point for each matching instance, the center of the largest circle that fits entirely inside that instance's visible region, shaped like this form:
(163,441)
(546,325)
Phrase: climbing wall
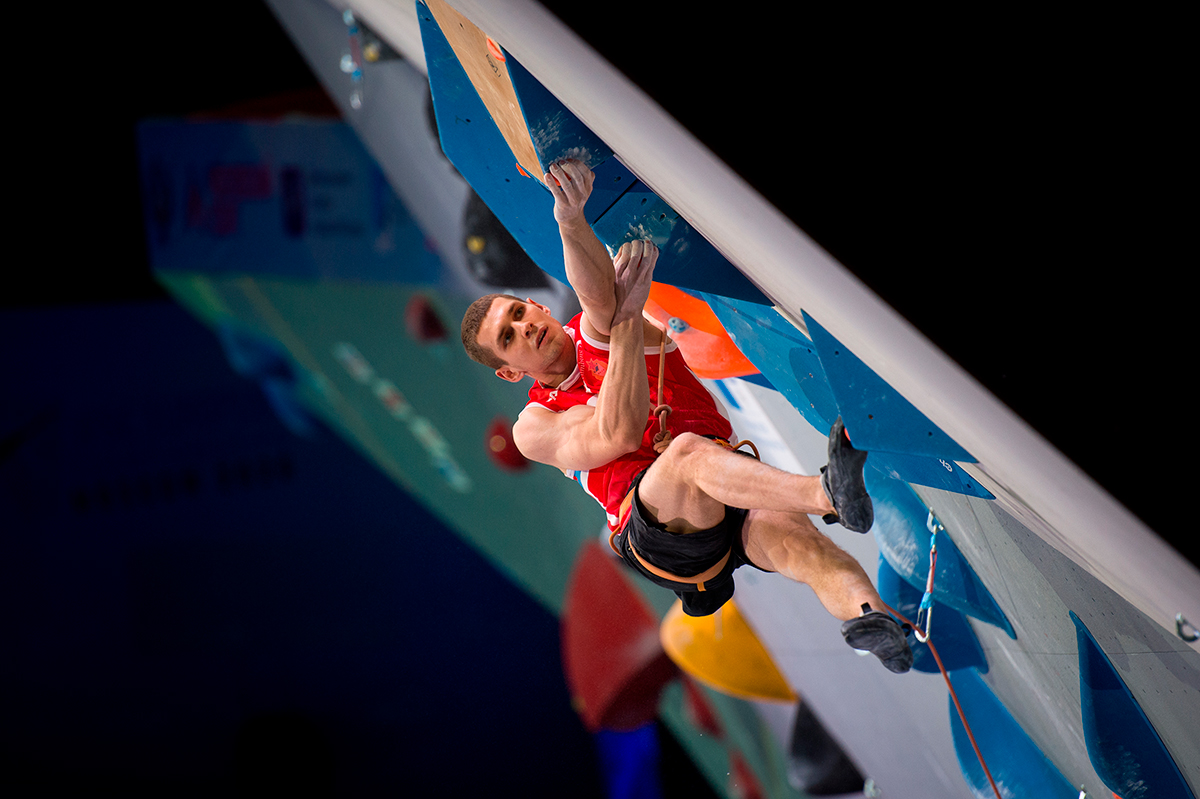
(1042,672)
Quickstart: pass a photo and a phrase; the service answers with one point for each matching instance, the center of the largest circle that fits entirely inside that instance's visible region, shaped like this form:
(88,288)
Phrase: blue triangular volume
(556,133)
(955,640)
(784,356)
(1015,761)
(638,214)
(876,416)
(1125,749)
(933,472)
(903,538)
(686,259)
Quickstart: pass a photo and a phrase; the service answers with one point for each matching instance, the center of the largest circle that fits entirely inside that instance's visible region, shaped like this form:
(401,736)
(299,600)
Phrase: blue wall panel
(951,634)
(875,413)
(1124,747)
(903,538)
(1017,764)
(477,149)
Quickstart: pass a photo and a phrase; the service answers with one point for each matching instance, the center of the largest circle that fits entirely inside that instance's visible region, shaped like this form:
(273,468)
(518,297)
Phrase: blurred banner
(293,198)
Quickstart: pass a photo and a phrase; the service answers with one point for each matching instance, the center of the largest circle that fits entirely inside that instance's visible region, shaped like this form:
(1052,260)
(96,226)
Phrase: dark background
(200,603)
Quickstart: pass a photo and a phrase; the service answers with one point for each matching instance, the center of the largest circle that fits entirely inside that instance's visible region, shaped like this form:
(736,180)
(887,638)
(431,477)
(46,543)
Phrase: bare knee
(669,490)
(686,444)
(684,449)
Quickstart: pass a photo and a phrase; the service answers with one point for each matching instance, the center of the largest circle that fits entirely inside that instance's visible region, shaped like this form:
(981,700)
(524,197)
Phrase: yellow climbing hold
(723,652)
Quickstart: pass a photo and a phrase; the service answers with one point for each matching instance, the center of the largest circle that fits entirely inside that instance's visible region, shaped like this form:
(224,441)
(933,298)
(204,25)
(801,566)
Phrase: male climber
(688,517)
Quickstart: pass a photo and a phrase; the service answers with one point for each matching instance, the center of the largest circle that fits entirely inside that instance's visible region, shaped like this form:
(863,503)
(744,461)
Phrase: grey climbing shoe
(843,482)
(880,634)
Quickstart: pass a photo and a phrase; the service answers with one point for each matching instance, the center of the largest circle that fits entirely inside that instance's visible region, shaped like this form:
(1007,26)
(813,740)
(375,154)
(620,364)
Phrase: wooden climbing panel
(489,75)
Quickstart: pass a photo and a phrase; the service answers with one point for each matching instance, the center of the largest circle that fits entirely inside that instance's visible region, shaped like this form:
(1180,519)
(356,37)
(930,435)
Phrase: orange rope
(954,696)
(662,439)
(745,442)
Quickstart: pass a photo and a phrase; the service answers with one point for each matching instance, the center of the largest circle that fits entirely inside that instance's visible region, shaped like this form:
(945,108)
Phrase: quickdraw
(925,611)
(954,698)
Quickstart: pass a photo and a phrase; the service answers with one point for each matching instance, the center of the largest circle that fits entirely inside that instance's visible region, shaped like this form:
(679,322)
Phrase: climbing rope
(925,612)
(662,439)
(954,696)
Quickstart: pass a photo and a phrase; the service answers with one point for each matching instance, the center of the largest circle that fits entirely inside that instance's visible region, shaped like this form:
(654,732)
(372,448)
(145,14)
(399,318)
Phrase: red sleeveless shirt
(693,409)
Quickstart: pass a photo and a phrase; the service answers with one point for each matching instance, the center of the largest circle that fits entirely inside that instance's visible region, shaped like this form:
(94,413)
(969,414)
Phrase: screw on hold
(348,17)
(1180,624)
(871,789)
(677,325)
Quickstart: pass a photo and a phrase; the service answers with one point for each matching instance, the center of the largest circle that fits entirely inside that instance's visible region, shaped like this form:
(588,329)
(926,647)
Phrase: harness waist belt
(698,580)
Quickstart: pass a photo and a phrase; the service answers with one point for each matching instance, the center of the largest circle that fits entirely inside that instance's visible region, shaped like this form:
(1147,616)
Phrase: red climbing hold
(615,667)
(501,448)
(422,321)
(699,710)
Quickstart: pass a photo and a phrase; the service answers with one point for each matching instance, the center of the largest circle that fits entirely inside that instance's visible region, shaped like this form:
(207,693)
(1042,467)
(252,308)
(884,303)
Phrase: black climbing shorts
(685,555)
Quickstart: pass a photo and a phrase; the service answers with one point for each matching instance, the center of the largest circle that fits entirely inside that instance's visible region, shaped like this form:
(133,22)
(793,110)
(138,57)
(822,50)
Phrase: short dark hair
(472,320)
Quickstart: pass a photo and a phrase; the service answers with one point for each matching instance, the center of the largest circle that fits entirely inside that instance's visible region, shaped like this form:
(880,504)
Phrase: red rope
(953,696)
(663,438)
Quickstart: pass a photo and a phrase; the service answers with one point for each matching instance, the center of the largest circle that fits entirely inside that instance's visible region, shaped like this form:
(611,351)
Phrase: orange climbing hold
(495,50)
(707,348)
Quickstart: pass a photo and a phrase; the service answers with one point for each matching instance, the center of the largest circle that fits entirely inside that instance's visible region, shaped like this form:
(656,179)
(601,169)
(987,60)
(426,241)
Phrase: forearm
(623,405)
(589,271)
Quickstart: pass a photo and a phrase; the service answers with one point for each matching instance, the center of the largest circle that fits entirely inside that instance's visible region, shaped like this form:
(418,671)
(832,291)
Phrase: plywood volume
(490,78)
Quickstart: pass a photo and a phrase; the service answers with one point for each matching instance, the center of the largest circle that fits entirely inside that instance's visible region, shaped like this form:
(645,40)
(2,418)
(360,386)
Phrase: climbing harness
(925,611)
(745,442)
(662,439)
(698,580)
